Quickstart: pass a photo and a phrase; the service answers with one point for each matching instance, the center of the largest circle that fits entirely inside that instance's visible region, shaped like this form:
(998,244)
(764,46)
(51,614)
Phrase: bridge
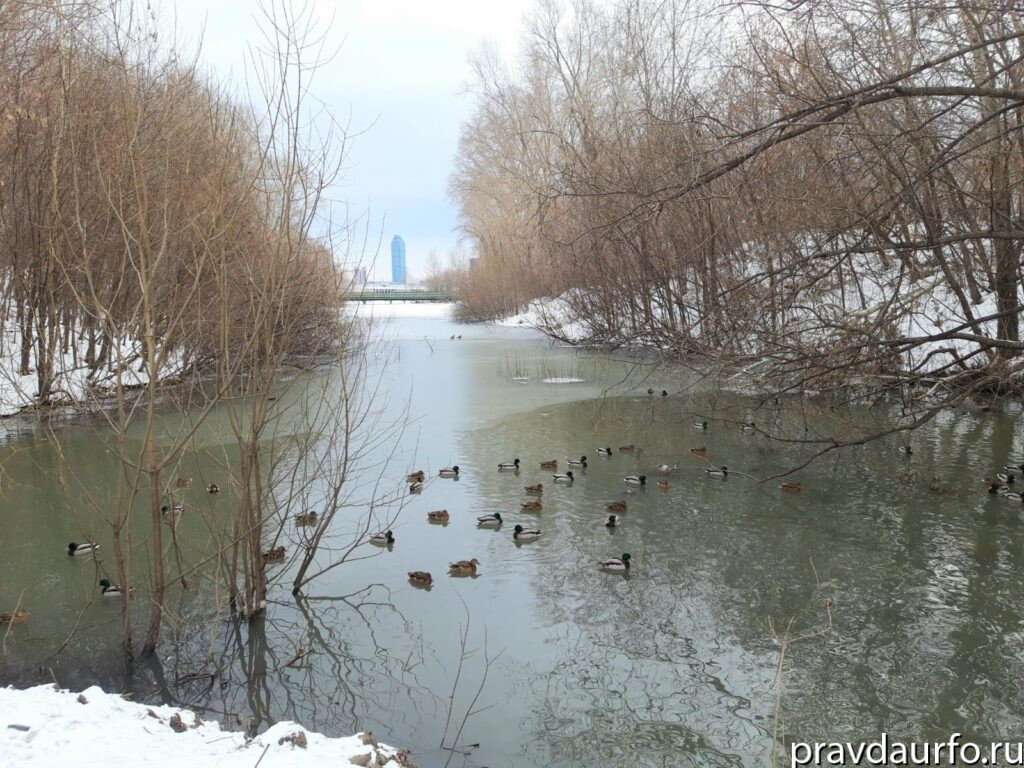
(391,296)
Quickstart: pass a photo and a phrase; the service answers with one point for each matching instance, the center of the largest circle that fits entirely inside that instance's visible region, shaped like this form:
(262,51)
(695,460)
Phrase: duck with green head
(112,590)
(615,564)
(75,550)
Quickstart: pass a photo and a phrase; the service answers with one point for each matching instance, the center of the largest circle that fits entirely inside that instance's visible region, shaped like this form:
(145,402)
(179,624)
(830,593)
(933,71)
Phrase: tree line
(820,192)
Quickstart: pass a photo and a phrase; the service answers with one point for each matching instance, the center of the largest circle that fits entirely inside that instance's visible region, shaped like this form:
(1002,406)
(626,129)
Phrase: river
(894,583)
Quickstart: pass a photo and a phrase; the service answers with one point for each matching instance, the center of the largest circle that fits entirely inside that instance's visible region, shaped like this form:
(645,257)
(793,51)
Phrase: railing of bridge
(386,295)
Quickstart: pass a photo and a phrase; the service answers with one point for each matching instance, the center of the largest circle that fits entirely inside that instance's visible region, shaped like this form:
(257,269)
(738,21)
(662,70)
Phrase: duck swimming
(112,590)
(438,516)
(615,564)
(464,567)
(534,489)
(75,550)
(384,539)
(566,478)
(721,472)
(531,506)
(580,462)
(525,534)
(489,521)
(604,451)
(420,579)
(449,471)
(616,506)
(512,466)
(635,480)
(612,522)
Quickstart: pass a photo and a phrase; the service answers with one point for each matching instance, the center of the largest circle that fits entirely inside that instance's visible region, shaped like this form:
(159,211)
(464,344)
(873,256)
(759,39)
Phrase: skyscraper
(397,260)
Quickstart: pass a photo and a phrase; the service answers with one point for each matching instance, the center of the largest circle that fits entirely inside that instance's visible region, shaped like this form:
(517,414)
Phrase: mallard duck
(1014,469)
(700,425)
(720,472)
(274,555)
(385,539)
(1012,496)
(650,390)
(531,506)
(1004,477)
(416,477)
(635,480)
(509,466)
(612,522)
(906,449)
(525,534)
(747,426)
(74,550)
(615,506)
(699,451)
(172,514)
(306,518)
(15,617)
(792,487)
(416,487)
(489,521)
(666,468)
(213,488)
(604,451)
(420,578)
(580,462)
(534,489)
(664,393)
(438,516)
(627,448)
(552,464)
(449,471)
(997,488)
(184,482)
(664,485)
(615,564)
(112,590)
(464,567)
(563,478)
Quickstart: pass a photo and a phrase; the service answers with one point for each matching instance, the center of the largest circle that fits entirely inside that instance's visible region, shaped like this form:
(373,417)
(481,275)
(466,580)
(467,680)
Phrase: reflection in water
(673,664)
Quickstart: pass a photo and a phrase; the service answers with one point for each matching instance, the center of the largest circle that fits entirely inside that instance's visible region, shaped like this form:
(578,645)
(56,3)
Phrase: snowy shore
(44,727)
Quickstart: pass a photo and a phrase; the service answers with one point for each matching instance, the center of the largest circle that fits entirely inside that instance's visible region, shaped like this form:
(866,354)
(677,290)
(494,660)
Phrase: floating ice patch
(564,380)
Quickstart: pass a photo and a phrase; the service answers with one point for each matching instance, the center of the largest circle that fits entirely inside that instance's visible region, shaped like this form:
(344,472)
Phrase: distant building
(398,260)
(359,279)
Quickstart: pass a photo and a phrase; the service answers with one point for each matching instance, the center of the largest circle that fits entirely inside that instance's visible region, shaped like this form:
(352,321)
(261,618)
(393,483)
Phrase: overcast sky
(400,72)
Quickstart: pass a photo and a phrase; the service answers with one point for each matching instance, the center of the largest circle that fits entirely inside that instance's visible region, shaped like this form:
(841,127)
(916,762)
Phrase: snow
(95,729)
(563,380)
(382,310)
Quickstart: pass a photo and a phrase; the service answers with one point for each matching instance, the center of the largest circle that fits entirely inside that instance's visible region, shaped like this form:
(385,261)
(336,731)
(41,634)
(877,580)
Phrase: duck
(512,466)
(14,617)
(184,482)
(1014,469)
(306,518)
(580,462)
(604,451)
(566,478)
(700,425)
(650,390)
(449,471)
(416,487)
(213,488)
(525,534)
(112,590)
(1012,496)
(612,522)
(666,468)
(420,578)
(552,464)
(534,489)
(489,521)
(664,393)
(172,513)
(997,488)
(615,506)
(531,506)
(464,567)
(792,487)
(416,477)
(274,555)
(747,426)
(384,539)
(721,472)
(438,516)
(664,485)
(74,550)
(699,450)
(906,449)
(615,564)
(627,448)
(635,480)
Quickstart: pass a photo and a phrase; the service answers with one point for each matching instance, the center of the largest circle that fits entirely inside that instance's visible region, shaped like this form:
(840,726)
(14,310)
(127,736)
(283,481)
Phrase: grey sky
(400,70)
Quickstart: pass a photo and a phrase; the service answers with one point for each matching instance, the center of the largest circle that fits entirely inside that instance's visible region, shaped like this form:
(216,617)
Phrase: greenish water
(903,599)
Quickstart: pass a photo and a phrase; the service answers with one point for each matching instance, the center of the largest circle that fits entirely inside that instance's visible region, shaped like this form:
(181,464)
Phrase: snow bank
(43,727)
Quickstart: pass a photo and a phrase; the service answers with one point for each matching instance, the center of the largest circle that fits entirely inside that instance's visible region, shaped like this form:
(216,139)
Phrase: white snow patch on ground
(98,730)
(382,310)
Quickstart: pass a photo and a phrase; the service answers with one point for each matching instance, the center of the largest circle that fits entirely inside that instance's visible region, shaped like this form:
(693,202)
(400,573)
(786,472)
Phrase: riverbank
(44,727)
